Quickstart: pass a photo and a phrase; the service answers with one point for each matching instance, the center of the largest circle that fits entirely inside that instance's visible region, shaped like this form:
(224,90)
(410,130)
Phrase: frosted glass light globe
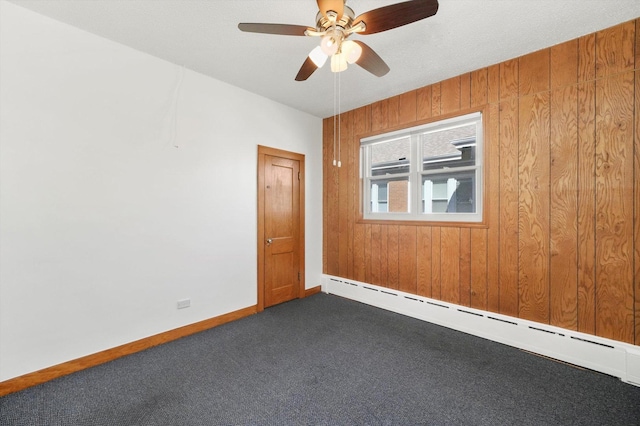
(352,50)
(339,62)
(330,44)
(318,56)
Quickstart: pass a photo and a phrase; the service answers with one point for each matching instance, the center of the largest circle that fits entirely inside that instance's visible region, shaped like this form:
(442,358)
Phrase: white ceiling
(464,35)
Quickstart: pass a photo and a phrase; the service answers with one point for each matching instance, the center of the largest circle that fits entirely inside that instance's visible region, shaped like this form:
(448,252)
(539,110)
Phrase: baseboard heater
(607,356)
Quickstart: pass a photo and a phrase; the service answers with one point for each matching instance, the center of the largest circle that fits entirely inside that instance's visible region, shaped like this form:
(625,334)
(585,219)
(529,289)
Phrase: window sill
(431,223)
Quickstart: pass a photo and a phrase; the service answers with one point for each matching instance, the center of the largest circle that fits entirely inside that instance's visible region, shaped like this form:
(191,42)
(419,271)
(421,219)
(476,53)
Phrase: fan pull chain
(337,119)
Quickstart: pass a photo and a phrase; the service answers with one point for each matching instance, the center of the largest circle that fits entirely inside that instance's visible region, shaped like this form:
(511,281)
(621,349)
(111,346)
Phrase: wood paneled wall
(561,245)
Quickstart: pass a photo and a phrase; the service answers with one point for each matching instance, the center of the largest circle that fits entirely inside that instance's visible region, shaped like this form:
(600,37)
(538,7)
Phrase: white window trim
(416,173)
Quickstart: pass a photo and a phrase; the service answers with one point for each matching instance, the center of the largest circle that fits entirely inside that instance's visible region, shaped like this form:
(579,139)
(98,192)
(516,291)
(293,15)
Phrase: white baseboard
(596,353)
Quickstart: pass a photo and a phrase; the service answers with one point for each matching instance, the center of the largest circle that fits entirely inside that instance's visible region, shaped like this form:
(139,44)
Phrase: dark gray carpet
(325,360)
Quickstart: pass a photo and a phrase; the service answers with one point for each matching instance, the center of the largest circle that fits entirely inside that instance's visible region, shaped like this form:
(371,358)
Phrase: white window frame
(416,173)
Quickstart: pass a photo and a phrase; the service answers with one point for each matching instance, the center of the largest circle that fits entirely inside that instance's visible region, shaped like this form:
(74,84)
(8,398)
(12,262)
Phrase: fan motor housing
(323,23)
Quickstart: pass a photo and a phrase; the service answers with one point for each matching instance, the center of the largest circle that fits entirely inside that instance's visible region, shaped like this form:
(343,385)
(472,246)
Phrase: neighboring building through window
(431,172)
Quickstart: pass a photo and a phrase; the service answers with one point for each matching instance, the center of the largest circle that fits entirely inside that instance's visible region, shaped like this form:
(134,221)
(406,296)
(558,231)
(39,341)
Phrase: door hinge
(298,275)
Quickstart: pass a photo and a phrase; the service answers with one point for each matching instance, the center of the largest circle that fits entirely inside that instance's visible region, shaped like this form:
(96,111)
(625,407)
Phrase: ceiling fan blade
(280,29)
(396,15)
(370,61)
(336,5)
(307,68)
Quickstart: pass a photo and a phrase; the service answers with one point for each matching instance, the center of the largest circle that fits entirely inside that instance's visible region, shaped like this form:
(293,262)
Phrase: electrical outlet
(184,303)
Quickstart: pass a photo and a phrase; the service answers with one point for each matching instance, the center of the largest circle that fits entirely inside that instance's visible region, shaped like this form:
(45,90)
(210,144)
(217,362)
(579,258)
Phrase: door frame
(262,152)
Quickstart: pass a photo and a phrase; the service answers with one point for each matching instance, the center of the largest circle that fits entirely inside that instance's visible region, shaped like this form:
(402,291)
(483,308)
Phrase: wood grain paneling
(436,256)
(533,217)
(586,207)
(450,95)
(407,109)
(509,188)
(362,119)
(636,189)
(423,103)
(379,121)
(493,83)
(465,267)
(479,269)
(492,194)
(380,115)
(368,253)
(355,245)
(559,243)
(345,196)
(362,125)
(376,258)
(332,186)
(534,72)
(358,253)
(615,49)
(509,81)
(392,256)
(436,100)
(393,109)
(479,87)
(614,207)
(465,91)
(423,260)
(450,264)
(384,265)
(407,261)
(563,268)
(564,64)
(587,58)
(353,195)
(637,48)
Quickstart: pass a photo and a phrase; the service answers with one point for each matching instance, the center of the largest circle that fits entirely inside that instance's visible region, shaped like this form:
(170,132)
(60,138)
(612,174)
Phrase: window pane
(391,157)
(449,193)
(390,195)
(448,148)
(429,172)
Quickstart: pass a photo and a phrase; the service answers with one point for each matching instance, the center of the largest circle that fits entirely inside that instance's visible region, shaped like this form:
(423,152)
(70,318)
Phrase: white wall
(104,223)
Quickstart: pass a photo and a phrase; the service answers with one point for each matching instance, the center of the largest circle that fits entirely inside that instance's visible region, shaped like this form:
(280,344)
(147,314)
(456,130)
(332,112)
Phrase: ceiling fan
(336,22)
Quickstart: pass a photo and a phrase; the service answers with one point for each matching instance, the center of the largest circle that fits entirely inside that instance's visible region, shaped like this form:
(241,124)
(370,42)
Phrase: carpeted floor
(325,360)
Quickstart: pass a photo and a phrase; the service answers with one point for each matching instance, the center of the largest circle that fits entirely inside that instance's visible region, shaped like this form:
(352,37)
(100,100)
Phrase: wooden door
(280,234)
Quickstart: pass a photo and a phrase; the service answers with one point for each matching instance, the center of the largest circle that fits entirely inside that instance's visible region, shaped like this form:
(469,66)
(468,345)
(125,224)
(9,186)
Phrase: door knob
(269,241)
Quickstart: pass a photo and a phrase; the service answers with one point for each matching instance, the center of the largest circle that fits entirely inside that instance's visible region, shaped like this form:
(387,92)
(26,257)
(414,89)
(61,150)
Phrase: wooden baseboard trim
(311,291)
(41,376)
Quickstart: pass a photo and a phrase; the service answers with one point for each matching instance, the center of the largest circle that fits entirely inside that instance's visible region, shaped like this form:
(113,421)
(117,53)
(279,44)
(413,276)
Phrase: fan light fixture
(352,50)
(331,43)
(318,56)
(334,29)
(335,23)
(341,52)
(338,62)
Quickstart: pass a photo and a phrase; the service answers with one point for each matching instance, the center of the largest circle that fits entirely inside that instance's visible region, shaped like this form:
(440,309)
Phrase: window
(431,172)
